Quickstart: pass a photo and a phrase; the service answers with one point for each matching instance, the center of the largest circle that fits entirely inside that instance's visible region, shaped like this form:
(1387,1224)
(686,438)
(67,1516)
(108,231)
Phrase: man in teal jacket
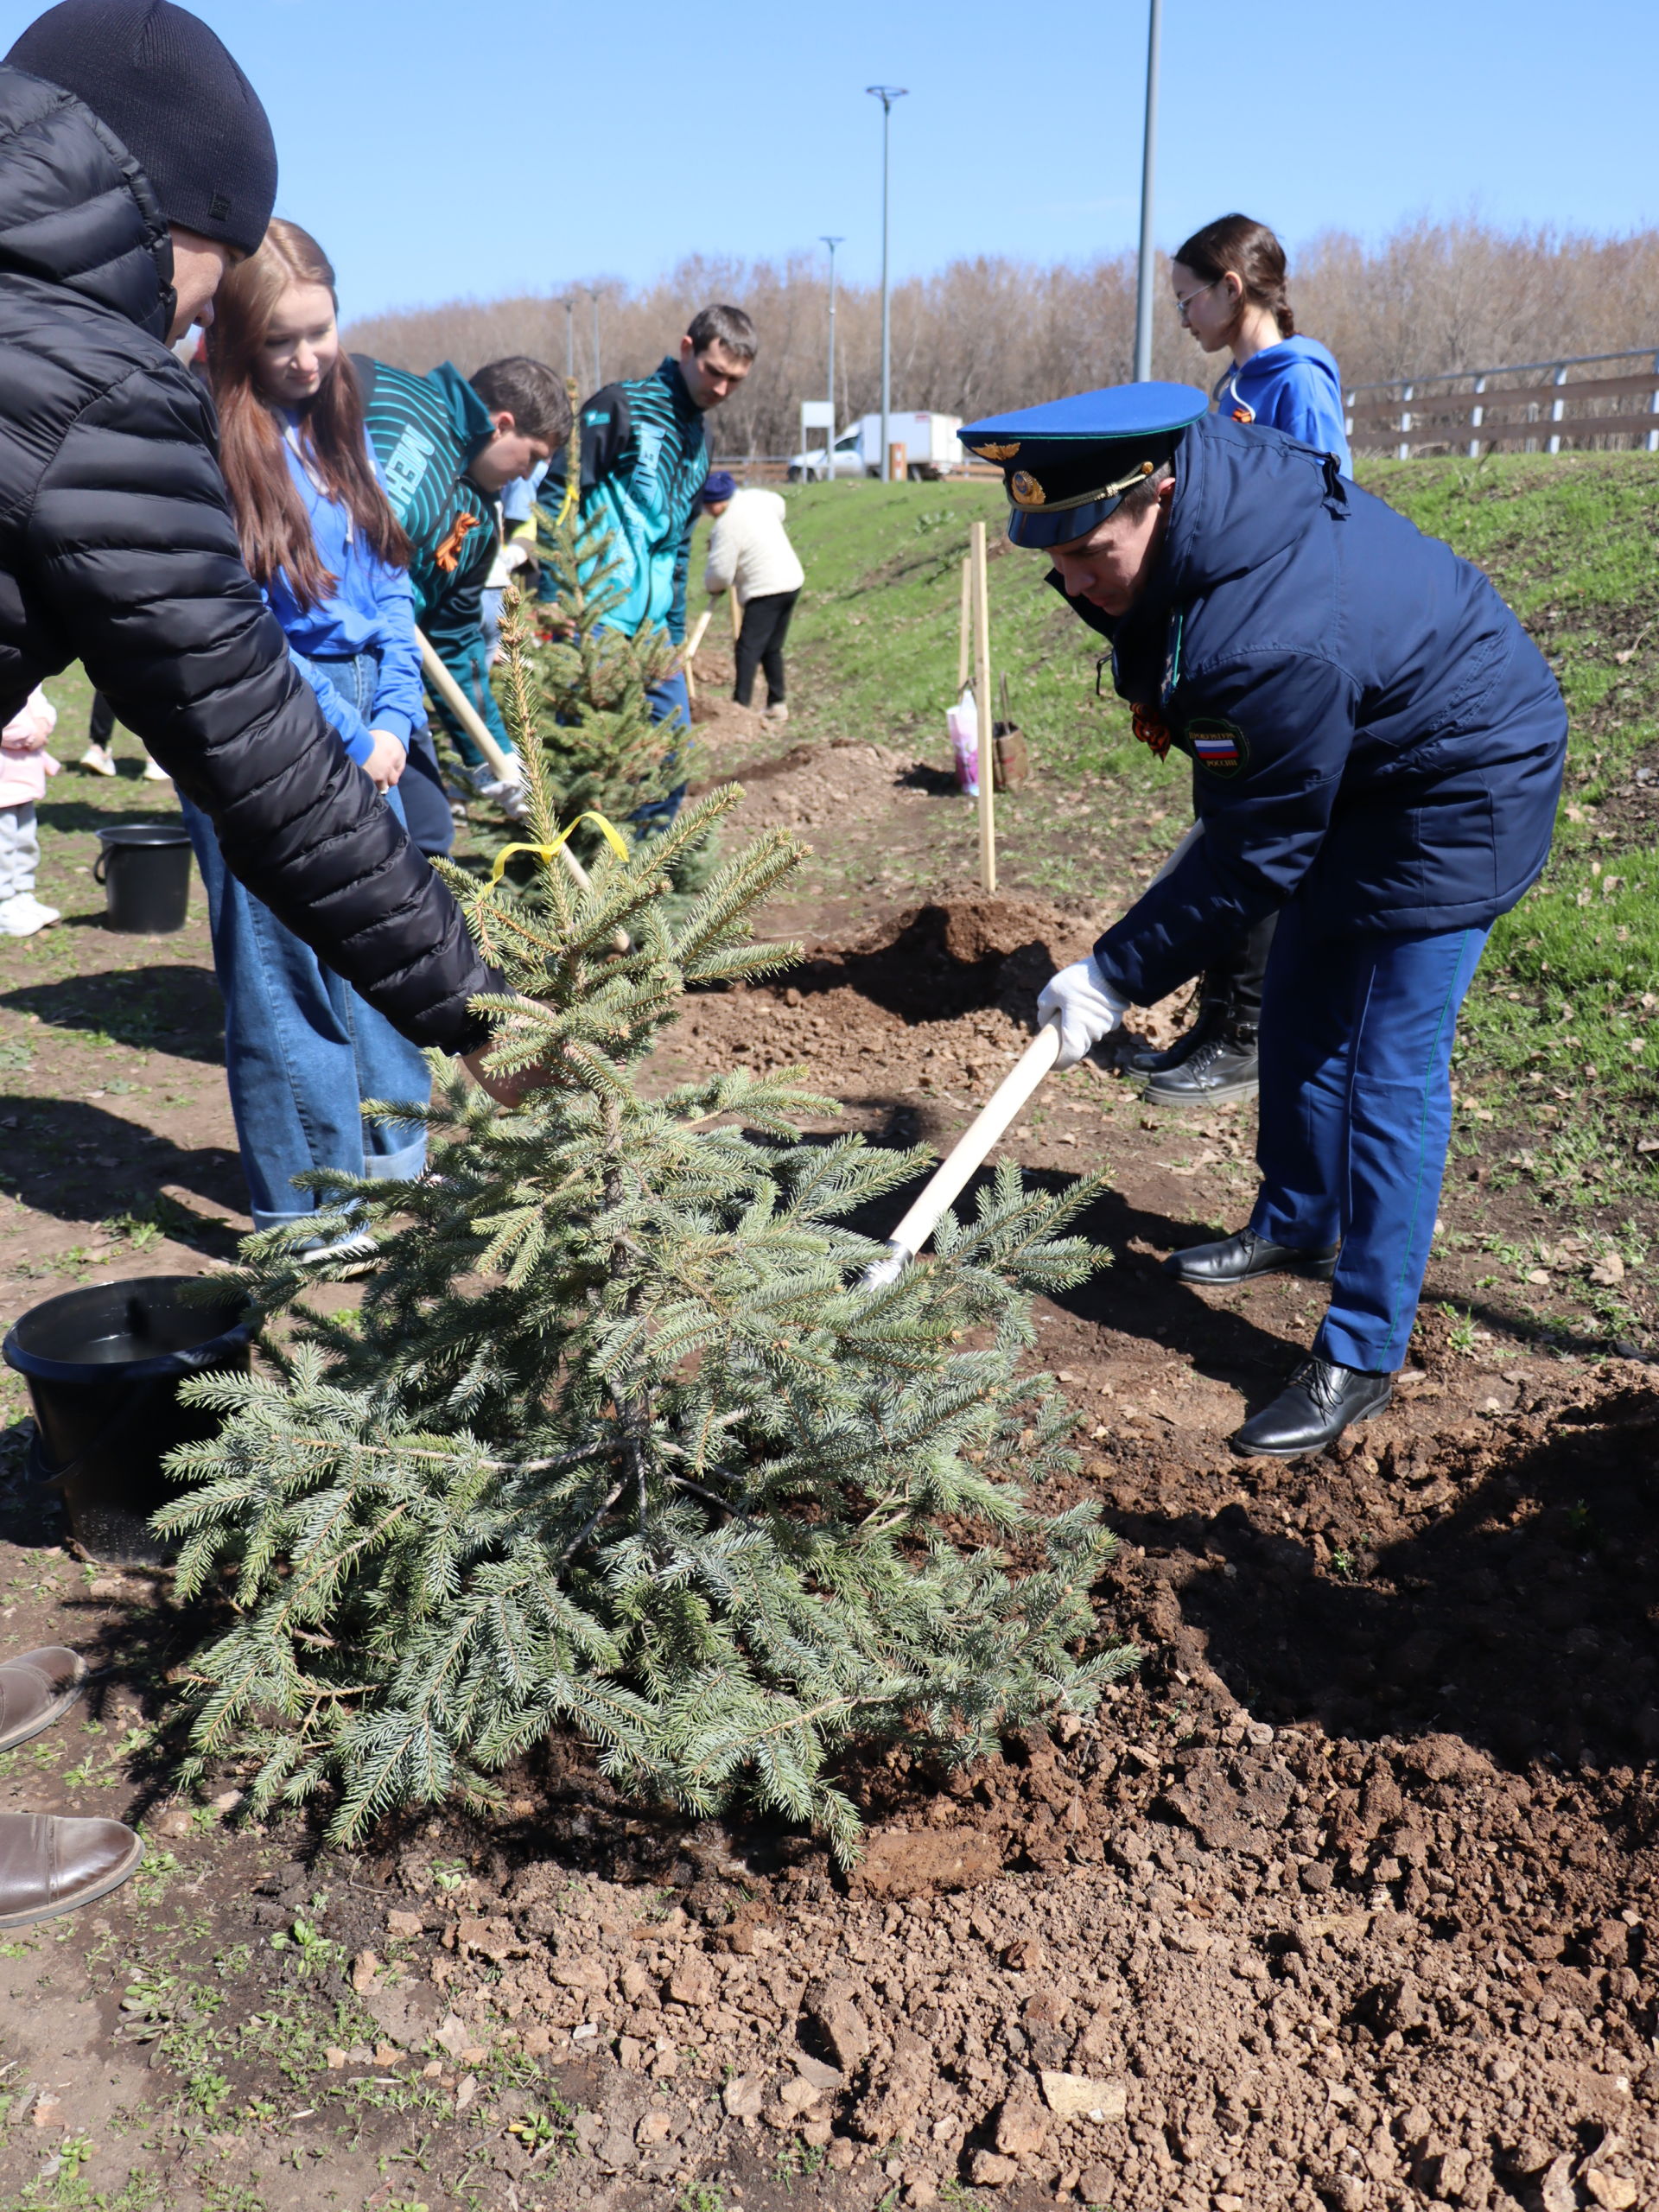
(448,446)
(645,456)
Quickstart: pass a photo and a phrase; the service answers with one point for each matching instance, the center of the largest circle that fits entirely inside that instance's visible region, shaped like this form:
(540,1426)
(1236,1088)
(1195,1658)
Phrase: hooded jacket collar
(669,373)
(76,211)
(474,426)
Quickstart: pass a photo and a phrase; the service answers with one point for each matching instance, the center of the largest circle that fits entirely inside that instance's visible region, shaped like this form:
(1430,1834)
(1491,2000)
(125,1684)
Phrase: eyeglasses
(1182,305)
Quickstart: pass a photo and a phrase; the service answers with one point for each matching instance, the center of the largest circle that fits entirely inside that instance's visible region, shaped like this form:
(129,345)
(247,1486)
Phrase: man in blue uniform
(1377,750)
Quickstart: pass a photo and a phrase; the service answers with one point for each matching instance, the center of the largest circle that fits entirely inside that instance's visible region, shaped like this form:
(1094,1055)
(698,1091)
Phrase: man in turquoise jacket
(645,456)
(448,446)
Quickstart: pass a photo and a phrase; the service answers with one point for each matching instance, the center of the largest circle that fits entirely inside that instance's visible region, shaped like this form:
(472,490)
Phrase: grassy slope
(1572,541)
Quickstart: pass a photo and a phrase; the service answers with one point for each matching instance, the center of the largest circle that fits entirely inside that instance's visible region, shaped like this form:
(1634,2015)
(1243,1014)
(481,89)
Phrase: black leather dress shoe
(1149,1060)
(1313,1410)
(1235,1259)
(1224,1066)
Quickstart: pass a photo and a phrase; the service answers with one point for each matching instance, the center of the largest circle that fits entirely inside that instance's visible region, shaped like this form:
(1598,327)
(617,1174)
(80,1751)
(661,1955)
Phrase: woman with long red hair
(302,1052)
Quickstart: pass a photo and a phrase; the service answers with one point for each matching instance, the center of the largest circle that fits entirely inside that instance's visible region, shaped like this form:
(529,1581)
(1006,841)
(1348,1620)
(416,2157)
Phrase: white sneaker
(154,772)
(22,914)
(779,714)
(98,760)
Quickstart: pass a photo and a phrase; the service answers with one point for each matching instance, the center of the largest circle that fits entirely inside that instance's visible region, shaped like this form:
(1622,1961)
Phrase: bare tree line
(991,333)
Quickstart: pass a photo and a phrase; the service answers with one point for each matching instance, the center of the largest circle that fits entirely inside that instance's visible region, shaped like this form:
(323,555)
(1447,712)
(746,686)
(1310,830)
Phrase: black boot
(1212,1015)
(1224,1066)
(1313,1410)
(1235,1259)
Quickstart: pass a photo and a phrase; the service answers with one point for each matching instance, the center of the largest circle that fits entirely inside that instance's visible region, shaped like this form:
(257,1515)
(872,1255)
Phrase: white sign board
(816,414)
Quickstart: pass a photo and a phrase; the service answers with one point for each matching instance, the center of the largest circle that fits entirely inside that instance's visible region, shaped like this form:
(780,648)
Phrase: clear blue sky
(444,150)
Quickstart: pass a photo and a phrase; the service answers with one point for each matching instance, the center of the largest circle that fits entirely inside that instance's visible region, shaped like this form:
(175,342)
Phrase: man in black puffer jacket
(136,163)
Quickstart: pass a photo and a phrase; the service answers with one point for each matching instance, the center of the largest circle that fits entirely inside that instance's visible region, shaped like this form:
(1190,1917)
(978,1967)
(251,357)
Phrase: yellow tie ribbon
(612,835)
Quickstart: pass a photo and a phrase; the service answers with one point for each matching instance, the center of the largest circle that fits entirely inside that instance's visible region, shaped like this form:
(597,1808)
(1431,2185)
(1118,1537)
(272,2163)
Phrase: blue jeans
(424,804)
(301,1050)
(1357,1037)
(489,615)
(670,702)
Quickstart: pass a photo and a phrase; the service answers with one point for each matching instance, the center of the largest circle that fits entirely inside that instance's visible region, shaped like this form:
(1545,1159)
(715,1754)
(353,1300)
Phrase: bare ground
(1346,1898)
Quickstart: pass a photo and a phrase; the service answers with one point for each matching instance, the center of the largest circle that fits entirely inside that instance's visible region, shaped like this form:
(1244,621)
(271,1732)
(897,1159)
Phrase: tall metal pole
(887,94)
(599,374)
(1144,280)
(829,435)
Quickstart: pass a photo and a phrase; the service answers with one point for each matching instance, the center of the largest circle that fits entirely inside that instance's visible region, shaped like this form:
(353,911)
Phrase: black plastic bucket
(145,870)
(103,1367)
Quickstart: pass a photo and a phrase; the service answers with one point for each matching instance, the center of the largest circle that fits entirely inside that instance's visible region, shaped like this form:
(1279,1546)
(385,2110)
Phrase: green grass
(1557,1040)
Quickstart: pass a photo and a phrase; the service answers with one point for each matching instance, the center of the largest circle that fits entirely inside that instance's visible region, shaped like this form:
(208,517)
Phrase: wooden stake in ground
(965,628)
(986,710)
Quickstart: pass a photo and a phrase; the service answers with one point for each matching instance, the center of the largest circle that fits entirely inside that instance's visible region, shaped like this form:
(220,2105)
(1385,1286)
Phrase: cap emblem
(1027,492)
(995,452)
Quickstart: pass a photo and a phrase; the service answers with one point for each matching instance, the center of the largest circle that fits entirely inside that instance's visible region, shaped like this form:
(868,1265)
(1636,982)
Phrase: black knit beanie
(157,76)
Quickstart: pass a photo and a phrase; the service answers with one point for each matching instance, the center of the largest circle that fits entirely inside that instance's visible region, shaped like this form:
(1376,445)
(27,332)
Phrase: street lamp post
(599,374)
(829,435)
(887,94)
(1144,278)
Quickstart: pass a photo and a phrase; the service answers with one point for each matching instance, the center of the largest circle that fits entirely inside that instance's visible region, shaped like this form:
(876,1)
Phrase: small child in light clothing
(25,764)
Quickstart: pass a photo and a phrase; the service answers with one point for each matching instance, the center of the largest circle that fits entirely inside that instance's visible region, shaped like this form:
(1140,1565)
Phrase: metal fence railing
(1470,411)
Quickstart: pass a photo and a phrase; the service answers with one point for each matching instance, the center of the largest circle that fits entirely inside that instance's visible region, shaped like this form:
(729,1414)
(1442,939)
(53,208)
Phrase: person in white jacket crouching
(749,552)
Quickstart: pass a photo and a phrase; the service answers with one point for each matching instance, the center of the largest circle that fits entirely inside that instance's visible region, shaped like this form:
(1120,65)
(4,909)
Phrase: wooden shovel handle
(955,1172)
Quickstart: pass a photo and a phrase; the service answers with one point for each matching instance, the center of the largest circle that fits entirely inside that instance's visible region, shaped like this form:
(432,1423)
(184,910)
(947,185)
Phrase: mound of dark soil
(953,956)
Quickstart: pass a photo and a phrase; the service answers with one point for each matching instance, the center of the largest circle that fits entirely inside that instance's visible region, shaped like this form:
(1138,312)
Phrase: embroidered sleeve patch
(1221,748)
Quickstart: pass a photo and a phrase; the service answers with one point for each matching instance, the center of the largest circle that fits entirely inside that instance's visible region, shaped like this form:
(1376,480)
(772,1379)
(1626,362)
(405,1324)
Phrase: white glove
(1087,1008)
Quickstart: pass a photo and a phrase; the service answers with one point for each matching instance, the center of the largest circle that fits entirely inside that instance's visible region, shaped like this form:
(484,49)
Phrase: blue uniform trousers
(1357,1035)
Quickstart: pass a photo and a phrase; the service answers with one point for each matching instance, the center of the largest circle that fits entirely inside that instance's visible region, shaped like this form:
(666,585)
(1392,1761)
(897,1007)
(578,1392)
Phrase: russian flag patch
(1217,746)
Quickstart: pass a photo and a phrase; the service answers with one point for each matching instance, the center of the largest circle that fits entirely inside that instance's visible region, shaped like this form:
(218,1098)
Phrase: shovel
(954,1173)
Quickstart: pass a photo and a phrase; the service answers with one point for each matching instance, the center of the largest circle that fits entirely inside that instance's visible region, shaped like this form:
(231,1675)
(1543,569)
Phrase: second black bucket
(103,1367)
(145,870)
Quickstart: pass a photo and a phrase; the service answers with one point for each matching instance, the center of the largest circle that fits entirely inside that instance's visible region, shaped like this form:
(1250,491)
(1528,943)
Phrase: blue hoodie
(1295,386)
(369,610)
(1372,731)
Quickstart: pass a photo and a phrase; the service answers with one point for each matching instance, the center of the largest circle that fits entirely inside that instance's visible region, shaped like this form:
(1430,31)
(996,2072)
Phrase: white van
(931,447)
